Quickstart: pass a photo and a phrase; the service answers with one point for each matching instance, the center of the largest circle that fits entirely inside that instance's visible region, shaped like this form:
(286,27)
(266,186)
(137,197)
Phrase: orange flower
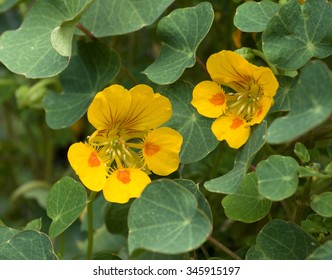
(253,89)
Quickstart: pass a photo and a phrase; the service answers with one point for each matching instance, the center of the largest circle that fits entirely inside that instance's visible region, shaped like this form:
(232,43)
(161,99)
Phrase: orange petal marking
(151,149)
(217,99)
(123,176)
(236,123)
(93,160)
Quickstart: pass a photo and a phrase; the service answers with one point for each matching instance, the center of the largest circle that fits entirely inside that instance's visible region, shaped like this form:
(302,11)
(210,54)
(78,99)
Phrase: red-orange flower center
(123,176)
(93,160)
(217,99)
(236,123)
(151,149)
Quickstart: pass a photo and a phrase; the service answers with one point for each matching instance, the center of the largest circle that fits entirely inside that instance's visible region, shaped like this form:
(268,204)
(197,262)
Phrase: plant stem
(90,224)
(304,199)
(224,248)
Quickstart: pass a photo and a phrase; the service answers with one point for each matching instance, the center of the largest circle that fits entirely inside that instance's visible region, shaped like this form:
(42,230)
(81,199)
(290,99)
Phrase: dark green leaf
(114,17)
(281,100)
(88,73)
(280,240)
(180,32)
(195,129)
(66,201)
(168,219)
(254,16)
(246,205)
(230,182)
(116,218)
(277,177)
(311,104)
(27,245)
(299,32)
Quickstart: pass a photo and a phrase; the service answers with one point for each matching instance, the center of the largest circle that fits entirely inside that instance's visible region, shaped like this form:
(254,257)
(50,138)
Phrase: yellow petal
(125,183)
(109,108)
(266,81)
(88,166)
(233,129)
(149,110)
(230,69)
(161,149)
(209,99)
(265,105)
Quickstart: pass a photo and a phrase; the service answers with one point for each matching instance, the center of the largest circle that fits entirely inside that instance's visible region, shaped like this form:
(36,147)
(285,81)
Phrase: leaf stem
(90,224)
(304,199)
(224,248)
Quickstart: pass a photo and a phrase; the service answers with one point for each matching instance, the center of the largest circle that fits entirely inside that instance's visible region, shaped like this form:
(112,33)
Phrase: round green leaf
(310,102)
(246,205)
(322,204)
(323,252)
(7,233)
(66,201)
(168,219)
(231,181)
(114,17)
(277,177)
(299,32)
(180,32)
(195,129)
(281,99)
(254,16)
(88,73)
(27,245)
(28,50)
(280,240)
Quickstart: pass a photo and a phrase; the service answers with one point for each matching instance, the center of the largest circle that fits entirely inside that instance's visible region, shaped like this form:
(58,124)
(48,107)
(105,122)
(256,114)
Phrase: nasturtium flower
(128,143)
(246,103)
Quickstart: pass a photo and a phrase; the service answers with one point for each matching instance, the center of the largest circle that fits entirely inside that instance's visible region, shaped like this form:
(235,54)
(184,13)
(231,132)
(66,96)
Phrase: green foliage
(170,217)
(277,177)
(65,203)
(246,205)
(178,50)
(271,199)
(25,245)
(254,16)
(308,109)
(279,240)
(297,33)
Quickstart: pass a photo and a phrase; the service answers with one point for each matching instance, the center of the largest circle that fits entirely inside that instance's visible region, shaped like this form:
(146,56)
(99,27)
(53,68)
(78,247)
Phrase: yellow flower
(127,144)
(251,97)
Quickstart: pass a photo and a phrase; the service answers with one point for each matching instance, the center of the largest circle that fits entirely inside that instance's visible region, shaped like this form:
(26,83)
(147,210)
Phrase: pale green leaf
(89,71)
(35,224)
(28,50)
(61,38)
(27,245)
(323,252)
(254,16)
(180,33)
(299,32)
(66,201)
(168,219)
(322,204)
(310,103)
(280,240)
(195,129)
(277,177)
(246,205)
(114,17)
(231,181)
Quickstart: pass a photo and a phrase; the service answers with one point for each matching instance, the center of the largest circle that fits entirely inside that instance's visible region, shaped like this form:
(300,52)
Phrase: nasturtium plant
(165,130)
